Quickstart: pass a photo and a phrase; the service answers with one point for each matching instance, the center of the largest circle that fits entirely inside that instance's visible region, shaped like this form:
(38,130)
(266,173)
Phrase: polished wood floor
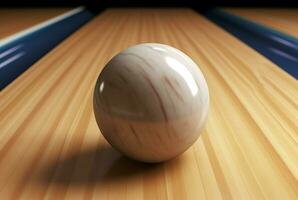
(13,20)
(284,20)
(51,147)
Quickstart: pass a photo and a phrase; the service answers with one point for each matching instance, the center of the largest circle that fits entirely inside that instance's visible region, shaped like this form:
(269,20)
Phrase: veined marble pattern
(151,102)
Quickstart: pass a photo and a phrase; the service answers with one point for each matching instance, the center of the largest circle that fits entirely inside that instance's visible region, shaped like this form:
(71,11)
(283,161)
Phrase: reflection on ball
(151,102)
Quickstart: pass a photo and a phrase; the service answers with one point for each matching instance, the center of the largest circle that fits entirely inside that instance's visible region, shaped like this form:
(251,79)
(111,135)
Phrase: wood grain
(51,147)
(284,20)
(13,20)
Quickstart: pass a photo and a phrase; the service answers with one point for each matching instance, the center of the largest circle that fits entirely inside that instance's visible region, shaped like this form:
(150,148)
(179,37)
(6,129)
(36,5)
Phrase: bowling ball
(151,102)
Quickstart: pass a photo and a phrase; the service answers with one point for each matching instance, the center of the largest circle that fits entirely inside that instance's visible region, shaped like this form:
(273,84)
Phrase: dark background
(149,3)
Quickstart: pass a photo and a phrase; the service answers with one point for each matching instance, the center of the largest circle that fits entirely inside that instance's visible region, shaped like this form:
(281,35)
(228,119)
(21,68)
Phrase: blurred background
(202,4)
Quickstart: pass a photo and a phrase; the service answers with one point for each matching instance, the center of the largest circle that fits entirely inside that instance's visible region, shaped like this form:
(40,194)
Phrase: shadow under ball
(151,102)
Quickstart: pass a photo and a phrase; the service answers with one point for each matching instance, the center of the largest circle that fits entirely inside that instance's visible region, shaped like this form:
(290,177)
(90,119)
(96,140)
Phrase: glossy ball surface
(151,102)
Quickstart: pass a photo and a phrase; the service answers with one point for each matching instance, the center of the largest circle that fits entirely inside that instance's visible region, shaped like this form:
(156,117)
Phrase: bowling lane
(283,20)
(13,20)
(51,147)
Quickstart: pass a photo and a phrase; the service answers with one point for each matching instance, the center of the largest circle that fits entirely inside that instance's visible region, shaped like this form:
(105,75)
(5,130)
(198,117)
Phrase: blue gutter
(280,48)
(19,54)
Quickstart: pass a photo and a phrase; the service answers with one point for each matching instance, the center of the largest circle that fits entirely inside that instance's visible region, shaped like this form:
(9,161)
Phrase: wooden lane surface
(50,145)
(284,20)
(13,20)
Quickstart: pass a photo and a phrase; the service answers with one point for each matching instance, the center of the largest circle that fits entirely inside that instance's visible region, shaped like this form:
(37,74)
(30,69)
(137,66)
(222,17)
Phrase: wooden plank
(283,20)
(50,145)
(13,20)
